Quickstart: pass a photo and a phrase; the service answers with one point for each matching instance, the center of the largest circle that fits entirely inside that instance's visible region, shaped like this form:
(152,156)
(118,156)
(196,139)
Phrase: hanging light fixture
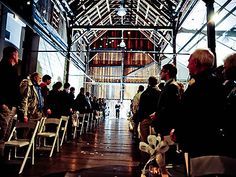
(121,11)
(122,43)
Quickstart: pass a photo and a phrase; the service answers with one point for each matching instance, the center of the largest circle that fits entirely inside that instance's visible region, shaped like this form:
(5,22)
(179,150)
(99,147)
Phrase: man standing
(135,106)
(46,80)
(31,105)
(9,91)
(201,105)
(165,117)
(117,107)
(168,103)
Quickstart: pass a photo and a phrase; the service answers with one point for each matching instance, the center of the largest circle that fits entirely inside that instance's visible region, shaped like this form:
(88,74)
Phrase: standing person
(66,105)
(135,107)
(81,102)
(46,80)
(201,112)
(65,101)
(53,100)
(228,127)
(147,105)
(31,104)
(117,108)
(165,117)
(9,90)
(168,103)
(72,97)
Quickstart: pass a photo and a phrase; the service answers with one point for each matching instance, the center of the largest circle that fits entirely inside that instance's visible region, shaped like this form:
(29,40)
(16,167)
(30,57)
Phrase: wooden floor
(108,151)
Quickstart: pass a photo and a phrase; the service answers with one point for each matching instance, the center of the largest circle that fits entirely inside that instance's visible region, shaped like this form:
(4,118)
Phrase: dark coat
(201,115)
(9,90)
(148,102)
(167,108)
(81,103)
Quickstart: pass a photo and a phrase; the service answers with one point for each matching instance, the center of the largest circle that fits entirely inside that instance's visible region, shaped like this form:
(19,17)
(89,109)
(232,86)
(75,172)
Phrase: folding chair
(49,130)
(87,121)
(81,122)
(22,136)
(64,125)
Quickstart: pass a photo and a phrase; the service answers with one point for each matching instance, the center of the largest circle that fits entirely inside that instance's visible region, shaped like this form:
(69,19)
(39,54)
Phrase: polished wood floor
(108,151)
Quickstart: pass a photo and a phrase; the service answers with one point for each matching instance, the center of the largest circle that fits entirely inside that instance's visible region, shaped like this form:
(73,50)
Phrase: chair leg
(82,126)
(186,158)
(53,146)
(25,158)
(64,133)
(33,148)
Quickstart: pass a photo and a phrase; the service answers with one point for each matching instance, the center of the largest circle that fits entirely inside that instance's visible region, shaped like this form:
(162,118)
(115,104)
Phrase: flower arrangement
(156,148)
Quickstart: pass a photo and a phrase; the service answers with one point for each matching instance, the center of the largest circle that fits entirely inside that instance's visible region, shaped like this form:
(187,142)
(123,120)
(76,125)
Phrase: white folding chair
(81,122)
(23,136)
(87,121)
(64,125)
(50,130)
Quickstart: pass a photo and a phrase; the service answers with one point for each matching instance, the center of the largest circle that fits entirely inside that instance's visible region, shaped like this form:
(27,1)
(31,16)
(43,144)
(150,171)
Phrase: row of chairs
(85,122)
(46,134)
(25,138)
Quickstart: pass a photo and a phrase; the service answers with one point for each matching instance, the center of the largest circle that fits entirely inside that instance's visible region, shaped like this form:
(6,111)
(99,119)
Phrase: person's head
(230,67)
(200,60)
(57,86)
(47,79)
(72,89)
(36,77)
(87,94)
(140,88)
(82,90)
(218,71)
(66,86)
(161,85)
(152,81)
(11,55)
(168,71)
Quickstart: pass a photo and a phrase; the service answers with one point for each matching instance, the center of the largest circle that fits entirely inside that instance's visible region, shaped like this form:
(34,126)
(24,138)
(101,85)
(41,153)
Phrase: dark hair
(72,89)
(82,89)
(141,88)
(161,85)
(152,81)
(57,85)
(46,77)
(171,68)
(7,52)
(66,85)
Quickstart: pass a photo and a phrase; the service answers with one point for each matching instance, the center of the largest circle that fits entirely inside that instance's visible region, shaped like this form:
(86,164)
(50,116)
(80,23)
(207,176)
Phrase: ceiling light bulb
(121,11)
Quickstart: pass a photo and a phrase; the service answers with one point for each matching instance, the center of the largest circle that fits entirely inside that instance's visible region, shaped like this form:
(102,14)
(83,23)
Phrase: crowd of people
(199,118)
(31,99)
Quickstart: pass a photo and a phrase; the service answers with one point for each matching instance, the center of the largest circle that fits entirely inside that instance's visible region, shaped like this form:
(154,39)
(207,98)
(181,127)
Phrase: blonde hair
(204,57)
